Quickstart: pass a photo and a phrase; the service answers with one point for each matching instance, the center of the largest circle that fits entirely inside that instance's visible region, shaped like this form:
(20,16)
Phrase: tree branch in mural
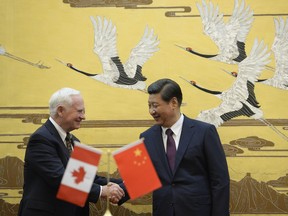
(229,38)
(280,50)
(240,99)
(115,73)
(3,52)
(107,3)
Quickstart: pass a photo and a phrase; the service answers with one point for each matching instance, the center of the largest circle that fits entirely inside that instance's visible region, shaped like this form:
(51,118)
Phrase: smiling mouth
(156,117)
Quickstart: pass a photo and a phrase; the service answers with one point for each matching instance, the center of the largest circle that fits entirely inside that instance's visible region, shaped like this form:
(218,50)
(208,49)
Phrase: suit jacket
(199,184)
(45,161)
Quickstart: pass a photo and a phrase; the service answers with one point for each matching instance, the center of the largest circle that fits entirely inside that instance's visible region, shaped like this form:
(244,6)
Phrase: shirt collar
(60,130)
(177,127)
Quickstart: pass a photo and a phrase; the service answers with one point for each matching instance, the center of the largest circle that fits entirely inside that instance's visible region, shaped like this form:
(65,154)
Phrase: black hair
(167,88)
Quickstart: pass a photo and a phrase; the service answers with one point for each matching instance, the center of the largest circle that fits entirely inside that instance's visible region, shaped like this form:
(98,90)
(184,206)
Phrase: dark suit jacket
(199,185)
(45,161)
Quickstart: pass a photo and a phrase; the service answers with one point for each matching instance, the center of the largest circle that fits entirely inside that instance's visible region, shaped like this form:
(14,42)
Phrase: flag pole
(108,213)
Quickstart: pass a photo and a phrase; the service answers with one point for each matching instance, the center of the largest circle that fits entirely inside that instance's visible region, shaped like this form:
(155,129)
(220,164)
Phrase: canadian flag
(79,174)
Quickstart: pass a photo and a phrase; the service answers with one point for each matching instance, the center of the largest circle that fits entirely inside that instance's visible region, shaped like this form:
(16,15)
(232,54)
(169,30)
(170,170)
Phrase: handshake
(113,191)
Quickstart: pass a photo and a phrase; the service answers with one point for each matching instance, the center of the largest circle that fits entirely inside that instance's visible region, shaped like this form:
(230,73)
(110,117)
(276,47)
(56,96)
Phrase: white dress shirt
(61,132)
(177,129)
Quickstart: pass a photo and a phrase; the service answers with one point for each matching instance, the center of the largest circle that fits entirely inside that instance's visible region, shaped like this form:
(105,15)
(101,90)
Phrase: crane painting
(280,51)
(116,74)
(229,37)
(240,99)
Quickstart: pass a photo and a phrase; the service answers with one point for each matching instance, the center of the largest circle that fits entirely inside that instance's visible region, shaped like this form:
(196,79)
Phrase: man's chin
(77,127)
(158,122)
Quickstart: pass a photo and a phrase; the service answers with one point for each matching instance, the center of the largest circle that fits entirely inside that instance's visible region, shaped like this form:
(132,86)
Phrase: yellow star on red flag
(139,174)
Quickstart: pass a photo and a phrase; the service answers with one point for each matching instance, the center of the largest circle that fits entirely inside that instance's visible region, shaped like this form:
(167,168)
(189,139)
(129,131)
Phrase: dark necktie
(171,148)
(69,142)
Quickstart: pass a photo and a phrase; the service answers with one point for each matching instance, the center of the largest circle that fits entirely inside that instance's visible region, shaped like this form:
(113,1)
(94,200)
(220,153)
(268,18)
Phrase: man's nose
(82,116)
(151,111)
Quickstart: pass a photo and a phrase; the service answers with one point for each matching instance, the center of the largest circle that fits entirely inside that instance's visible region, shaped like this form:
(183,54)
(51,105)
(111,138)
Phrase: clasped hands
(113,191)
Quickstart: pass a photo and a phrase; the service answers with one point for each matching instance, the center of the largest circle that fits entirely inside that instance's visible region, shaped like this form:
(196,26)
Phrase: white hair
(61,97)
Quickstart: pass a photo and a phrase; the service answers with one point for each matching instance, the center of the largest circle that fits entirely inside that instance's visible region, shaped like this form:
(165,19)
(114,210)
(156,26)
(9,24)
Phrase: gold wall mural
(35,35)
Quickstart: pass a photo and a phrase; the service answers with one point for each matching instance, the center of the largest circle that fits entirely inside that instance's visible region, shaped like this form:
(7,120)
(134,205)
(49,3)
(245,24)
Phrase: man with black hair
(188,157)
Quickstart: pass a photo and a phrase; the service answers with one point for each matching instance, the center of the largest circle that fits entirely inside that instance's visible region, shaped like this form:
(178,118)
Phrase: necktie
(171,148)
(69,142)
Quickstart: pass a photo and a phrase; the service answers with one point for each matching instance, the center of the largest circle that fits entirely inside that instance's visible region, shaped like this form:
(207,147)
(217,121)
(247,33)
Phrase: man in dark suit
(194,176)
(46,159)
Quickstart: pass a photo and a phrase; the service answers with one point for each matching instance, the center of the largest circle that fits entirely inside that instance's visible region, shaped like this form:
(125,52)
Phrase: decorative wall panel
(47,45)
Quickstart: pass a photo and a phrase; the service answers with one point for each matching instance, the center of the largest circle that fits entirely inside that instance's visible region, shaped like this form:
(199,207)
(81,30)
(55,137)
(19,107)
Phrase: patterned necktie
(171,148)
(69,142)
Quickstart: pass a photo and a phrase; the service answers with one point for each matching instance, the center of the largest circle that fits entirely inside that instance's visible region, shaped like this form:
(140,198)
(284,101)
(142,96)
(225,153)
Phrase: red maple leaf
(79,174)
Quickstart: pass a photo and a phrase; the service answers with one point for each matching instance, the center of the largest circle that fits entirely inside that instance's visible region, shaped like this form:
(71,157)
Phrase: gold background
(45,30)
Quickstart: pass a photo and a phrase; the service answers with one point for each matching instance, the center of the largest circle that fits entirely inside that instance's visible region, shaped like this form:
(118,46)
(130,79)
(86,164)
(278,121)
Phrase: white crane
(240,99)
(115,73)
(280,50)
(229,37)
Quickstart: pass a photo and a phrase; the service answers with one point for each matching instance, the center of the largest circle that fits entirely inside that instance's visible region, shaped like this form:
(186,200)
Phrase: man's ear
(60,110)
(174,102)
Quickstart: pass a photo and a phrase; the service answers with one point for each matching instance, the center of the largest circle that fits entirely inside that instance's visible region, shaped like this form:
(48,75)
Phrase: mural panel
(126,45)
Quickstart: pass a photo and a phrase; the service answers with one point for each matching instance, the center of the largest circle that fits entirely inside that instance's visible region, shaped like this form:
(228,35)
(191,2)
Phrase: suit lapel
(64,154)
(186,135)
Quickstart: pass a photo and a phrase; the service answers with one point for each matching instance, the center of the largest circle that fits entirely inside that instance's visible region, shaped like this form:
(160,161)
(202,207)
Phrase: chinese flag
(136,169)
(79,174)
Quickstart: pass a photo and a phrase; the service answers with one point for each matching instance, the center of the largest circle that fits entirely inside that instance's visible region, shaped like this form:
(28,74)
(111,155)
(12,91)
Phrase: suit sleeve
(218,173)
(42,156)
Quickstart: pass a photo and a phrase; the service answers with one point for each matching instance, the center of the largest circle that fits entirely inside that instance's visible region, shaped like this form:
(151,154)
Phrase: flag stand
(108,213)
